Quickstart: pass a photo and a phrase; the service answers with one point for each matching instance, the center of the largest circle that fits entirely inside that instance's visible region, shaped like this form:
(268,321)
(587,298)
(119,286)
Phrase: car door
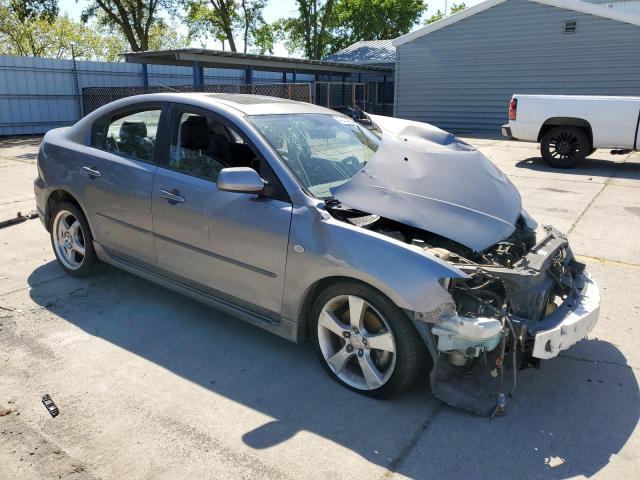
(230,245)
(119,178)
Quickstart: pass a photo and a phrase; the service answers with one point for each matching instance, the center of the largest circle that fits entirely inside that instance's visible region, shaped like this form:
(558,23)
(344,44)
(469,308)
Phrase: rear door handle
(91,172)
(173,196)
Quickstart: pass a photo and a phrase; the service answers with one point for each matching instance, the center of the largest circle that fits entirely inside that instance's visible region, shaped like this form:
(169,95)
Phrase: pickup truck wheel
(364,341)
(565,146)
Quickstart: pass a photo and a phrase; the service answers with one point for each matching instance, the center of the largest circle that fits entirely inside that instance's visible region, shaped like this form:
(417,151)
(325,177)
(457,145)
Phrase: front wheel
(365,342)
(565,146)
(72,241)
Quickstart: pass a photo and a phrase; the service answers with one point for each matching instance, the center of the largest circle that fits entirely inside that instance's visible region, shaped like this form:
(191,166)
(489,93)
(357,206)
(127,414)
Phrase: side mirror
(240,180)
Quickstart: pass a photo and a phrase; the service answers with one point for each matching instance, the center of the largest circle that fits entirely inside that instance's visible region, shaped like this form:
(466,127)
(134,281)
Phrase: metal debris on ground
(53,410)
(19,218)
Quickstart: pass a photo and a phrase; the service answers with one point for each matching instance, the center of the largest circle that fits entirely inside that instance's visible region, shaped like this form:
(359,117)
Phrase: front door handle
(91,172)
(173,196)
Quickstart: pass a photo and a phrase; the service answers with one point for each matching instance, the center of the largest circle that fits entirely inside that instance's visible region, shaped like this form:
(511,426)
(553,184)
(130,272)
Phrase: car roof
(247,104)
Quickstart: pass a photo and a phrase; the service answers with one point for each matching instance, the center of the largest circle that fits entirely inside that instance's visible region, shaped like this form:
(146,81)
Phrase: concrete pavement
(153,385)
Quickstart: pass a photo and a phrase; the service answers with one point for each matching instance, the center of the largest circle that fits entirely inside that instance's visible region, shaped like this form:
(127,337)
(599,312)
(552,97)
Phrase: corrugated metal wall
(461,77)
(37,94)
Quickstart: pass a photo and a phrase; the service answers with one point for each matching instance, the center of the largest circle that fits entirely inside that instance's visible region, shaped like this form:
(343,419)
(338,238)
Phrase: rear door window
(130,134)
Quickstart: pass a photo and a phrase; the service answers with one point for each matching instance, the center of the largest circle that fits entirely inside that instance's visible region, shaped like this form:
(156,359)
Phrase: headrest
(132,131)
(194,133)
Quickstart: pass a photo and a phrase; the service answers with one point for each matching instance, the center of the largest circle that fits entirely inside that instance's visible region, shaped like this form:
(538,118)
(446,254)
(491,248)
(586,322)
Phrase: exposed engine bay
(522,285)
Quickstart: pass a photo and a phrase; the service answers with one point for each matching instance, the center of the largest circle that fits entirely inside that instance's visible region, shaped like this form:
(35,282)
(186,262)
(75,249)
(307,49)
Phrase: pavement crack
(44,282)
(18,201)
(607,261)
(413,441)
(595,362)
(605,185)
(586,209)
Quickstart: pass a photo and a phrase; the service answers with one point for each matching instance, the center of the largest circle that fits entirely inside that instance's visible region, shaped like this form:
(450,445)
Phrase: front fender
(321,247)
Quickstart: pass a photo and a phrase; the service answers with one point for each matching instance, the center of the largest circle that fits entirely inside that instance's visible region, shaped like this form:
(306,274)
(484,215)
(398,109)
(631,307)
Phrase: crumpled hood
(424,177)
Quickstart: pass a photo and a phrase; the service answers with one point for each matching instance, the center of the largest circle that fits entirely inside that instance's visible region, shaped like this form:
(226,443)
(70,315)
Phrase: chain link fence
(95,97)
(341,95)
(372,97)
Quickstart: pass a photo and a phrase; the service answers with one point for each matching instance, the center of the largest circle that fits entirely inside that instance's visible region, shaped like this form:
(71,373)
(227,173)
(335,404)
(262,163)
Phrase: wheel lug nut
(355,330)
(346,334)
(349,348)
(360,352)
(364,341)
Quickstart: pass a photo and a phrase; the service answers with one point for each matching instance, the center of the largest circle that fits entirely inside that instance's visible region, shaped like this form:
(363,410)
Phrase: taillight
(513,109)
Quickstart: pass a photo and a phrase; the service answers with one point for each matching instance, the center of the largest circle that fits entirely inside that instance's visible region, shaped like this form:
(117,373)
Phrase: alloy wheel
(68,239)
(357,342)
(564,146)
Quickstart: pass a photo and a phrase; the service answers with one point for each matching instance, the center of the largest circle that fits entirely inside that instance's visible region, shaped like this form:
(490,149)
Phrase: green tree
(355,20)
(136,19)
(440,15)
(31,9)
(308,32)
(42,36)
(224,20)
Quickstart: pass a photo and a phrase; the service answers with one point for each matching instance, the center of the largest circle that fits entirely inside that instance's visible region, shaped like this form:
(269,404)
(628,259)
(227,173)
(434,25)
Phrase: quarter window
(129,134)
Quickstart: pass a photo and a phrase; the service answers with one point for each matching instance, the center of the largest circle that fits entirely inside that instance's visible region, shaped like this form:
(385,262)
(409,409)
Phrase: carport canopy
(198,58)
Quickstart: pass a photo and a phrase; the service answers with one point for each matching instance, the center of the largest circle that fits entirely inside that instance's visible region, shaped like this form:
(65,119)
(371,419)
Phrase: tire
(343,348)
(72,241)
(565,146)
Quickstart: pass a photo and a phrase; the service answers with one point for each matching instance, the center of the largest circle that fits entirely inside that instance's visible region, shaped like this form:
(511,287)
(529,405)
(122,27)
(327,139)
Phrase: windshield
(322,150)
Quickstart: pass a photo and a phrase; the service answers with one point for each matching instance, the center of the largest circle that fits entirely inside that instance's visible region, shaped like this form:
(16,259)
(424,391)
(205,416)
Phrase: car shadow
(589,167)
(574,409)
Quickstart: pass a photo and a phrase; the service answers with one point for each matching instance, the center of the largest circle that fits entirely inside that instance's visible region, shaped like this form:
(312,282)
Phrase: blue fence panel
(38,94)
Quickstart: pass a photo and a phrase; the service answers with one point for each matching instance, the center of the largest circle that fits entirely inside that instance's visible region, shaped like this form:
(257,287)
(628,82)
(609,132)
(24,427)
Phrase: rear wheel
(565,146)
(72,241)
(364,341)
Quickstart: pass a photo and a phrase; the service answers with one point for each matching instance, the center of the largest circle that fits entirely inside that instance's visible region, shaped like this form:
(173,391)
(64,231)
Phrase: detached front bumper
(570,323)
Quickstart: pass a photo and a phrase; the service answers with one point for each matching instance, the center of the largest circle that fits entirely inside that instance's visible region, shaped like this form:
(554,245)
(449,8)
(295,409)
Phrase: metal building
(367,52)
(460,72)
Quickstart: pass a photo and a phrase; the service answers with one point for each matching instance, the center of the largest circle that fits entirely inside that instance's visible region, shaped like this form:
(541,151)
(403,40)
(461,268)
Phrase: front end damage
(522,302)
(525,297)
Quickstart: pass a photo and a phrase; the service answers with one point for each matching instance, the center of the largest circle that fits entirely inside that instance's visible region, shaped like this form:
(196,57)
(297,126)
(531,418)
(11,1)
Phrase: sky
(274,10)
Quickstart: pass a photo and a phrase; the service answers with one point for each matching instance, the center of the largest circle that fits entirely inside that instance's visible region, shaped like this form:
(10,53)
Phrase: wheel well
(55,198)
(570,121)
(312,292)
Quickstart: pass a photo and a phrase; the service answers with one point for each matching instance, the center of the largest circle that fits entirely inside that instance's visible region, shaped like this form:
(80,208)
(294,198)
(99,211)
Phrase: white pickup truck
(571,127)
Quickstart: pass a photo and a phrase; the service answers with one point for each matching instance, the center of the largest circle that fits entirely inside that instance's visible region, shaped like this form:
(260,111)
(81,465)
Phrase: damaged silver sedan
(397,248)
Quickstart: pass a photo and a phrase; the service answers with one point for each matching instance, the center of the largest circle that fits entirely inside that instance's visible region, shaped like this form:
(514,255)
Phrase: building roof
(366,52)
(575,5)
(222,59)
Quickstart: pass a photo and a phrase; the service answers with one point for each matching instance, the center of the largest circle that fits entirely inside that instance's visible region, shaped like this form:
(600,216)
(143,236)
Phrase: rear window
(129,134)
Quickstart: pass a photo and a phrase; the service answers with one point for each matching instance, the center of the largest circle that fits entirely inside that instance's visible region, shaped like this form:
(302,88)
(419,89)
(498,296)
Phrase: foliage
(136,19)
(308,32)
(31,9)
(355,20)
(440,15)
(40,37)
(224,20)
